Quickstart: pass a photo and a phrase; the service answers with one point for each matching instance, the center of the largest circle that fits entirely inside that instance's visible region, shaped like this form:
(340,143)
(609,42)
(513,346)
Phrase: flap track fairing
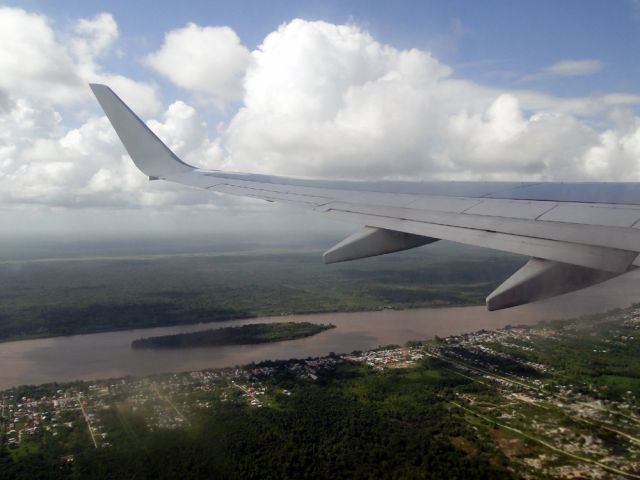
(370,242)
(539,279)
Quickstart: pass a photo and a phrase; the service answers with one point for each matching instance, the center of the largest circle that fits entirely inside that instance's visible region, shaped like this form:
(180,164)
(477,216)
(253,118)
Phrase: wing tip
(98,86)
(147,151)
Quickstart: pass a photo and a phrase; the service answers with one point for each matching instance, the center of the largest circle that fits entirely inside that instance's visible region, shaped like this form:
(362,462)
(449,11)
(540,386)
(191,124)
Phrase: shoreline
(411,343)
(109,354)
(234,319)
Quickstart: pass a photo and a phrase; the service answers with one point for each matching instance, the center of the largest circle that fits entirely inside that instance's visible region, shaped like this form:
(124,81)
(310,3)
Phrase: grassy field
(51,296)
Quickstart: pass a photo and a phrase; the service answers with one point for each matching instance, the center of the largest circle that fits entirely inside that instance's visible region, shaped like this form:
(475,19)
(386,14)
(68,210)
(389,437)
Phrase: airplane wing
(576,234)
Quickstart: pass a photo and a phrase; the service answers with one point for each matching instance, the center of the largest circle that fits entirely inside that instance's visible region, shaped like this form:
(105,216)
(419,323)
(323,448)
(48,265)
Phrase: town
(532,406)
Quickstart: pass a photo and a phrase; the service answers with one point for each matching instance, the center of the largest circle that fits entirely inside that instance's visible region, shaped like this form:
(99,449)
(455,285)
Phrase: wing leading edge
(576,234)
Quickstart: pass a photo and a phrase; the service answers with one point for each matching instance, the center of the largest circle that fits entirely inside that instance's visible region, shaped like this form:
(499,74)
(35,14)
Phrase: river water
(104,355)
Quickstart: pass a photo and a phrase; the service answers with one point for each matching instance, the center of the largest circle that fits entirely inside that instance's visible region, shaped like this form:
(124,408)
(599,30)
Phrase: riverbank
(252,334)
(43,299)
(536,401)
(107,355)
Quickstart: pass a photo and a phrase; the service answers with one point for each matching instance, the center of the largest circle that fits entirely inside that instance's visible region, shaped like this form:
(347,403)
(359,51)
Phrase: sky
(452,90)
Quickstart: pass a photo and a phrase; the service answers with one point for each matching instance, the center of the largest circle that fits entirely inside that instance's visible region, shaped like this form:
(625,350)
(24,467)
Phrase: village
(166,401)
(549,425)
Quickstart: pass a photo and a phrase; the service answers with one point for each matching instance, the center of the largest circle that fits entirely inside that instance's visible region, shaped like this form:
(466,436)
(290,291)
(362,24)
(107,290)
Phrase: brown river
(104,355)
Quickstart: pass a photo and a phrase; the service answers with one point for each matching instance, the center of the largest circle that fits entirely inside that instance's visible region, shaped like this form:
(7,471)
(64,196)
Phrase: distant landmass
(244,335)
(126,289)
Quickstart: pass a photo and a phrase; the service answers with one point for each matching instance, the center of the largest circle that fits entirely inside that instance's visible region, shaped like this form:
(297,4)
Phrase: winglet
(146,150)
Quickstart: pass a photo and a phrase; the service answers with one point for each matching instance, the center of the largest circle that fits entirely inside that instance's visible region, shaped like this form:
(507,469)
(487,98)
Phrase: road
(540,404)
(86,419)
(166,399)
(249,394)
(544,443)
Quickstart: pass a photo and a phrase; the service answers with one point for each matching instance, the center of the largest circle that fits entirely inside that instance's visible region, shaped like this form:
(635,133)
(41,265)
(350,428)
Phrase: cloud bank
(573,68)
(313,99)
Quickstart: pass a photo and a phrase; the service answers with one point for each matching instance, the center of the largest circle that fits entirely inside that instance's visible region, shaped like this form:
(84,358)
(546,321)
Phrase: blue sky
(493,42)
(456,90)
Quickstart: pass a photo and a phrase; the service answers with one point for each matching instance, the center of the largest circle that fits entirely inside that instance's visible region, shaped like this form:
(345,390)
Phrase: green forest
(243,335)
(555,400)
(350,423)
(52,297)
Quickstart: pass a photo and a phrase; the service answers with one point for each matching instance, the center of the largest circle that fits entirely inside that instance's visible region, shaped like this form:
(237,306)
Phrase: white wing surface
(576,234)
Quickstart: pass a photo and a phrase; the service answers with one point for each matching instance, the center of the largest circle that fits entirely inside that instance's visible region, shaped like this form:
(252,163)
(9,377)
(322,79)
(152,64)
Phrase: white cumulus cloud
(316,99)
(329,100)
(44,158)
(204,59)
(32,61)
(94,36)
(38,63)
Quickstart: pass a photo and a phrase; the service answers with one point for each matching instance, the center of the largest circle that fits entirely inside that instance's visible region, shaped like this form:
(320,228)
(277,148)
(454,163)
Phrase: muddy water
(110,354)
